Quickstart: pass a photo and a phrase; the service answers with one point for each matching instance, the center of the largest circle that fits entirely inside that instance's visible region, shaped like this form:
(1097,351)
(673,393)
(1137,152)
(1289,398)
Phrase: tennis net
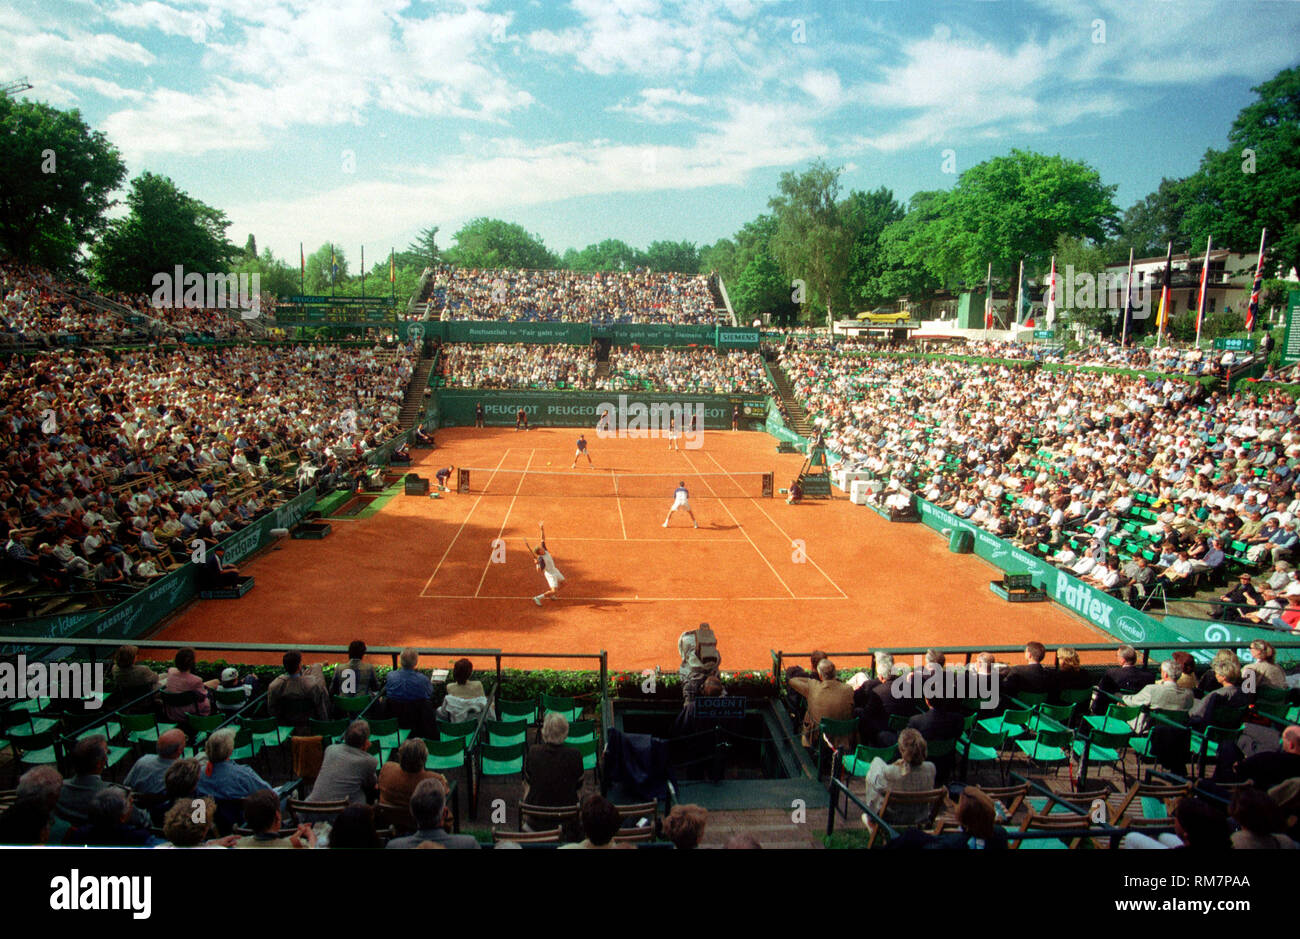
(596,483)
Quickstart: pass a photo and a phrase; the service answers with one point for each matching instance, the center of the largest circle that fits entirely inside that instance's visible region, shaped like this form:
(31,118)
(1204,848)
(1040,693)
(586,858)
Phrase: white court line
(509,509)
(660,540)
(462,527)
(618,500)
(448,596)
(784,534)
(740,526)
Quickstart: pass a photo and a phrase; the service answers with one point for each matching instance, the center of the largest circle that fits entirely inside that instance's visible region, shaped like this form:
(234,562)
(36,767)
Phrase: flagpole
(1164,296)
(1205,281)
(392,274)
(333,265)
(363,272)
(1127,311)
(988,301)
(1252,309)
(1050,313)
(302,271)
(1020,283)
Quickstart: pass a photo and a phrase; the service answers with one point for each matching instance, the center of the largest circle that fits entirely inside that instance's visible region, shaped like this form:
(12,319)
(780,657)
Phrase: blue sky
(362,121)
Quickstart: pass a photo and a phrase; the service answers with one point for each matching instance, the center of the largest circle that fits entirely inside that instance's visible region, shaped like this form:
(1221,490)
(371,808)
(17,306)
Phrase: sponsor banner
(1107,613)
(136,615)
(658,334)
(455,406)
(729,337)
(574,334)
(45,627)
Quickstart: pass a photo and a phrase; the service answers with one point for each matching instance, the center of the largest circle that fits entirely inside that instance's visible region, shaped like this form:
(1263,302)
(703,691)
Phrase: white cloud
(661,106)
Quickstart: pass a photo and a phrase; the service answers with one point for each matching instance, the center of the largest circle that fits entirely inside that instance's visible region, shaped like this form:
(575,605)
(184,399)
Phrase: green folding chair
(1029,699)
(516,710)
(983,746)
(448,730)
(588,750)
(506,733)
(36,749)
(1056,716)
(385,732)
(330,730)
(580,731)
(143,727)
(1013,722)
(1116,720)
(567,707)
(1104,748)
(351,706)
(859,761)
(445,754)
(198,726)
(1046,748)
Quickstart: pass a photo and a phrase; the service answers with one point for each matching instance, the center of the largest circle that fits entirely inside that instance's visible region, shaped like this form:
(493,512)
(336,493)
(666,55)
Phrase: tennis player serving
(681,500)
(546,565)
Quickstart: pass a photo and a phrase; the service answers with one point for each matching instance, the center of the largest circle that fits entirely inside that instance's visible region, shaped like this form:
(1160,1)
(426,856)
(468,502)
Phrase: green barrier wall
(581,334)
(454,407)
(134,616)
(45,627)
(1114,617)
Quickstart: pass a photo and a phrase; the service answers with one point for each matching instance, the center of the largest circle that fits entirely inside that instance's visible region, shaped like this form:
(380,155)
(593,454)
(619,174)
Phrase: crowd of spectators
(636,296)
(701,371)
(518,365)
(40,308)
(113,462)
(1043,456)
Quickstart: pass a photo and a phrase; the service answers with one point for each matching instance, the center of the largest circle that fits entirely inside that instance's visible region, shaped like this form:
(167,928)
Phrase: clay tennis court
(422,571)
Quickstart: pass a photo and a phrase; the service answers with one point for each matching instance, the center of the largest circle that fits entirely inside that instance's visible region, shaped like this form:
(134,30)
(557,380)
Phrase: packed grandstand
(130,434)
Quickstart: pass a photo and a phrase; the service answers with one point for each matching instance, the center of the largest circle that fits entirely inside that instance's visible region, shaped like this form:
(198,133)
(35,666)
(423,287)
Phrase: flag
(1252,311)
(1127,327)
(1051,295)
(988,300)
(334,265)
(1022,303)
(1200,297)
(1166,295)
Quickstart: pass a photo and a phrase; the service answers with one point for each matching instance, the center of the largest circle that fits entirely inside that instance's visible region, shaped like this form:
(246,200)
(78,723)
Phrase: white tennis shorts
(683,504)
(554,580)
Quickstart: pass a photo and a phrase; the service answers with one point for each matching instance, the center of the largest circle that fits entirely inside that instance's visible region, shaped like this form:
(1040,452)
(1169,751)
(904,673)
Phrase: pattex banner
(455,406)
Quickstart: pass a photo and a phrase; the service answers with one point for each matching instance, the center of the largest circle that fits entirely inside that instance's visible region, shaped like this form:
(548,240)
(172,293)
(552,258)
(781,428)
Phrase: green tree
(609,255)
(276,277)
(1082,265)
(250,248)
(1014,207)
(867,215)
(681,257)
(319,270)
(57,177)
(904,268)
(762,288)
(720,257)
(422,252)
(163,228)
(1255,183)
(812,243)
(492,243)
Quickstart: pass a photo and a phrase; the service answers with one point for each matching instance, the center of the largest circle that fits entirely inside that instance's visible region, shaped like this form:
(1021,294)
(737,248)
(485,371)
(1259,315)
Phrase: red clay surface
(421,571)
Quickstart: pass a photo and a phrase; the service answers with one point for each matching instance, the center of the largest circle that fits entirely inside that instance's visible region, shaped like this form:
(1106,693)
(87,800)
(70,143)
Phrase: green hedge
(526,684)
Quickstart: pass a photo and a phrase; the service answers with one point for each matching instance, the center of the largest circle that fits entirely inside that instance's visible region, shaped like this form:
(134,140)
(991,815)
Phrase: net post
(767,485)
(462,480)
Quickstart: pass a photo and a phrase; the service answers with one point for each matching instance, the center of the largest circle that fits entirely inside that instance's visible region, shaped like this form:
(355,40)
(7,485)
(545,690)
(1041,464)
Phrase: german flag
(1166,295)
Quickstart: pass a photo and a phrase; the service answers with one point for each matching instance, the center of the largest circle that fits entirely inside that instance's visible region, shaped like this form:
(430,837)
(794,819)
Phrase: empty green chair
(351,705)
(445,754)
(385,732)
(982,746)
(506,733)
(330,730)
(1116,720)
(448,730)
(265,730)
(1055,716)
(580,731)
(568,707)
(501,761)
(1013,722)
(1046,747)
(143,727)
(857,763)
(516,710)
(588,750)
